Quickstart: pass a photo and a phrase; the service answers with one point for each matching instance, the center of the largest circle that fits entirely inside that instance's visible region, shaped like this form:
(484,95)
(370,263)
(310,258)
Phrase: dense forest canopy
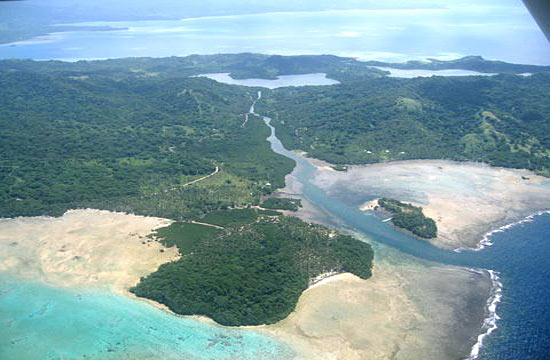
(128,140)
(253,270)
(135,135)
(128,134)
(240,66)
(502,120)
(409,217)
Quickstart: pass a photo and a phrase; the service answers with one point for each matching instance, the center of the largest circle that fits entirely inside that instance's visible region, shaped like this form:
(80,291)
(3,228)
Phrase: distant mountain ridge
(473,63)
(262,66)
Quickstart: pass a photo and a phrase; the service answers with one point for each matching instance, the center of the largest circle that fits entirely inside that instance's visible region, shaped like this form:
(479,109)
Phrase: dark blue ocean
(522,257)
(519,258)
(390,31)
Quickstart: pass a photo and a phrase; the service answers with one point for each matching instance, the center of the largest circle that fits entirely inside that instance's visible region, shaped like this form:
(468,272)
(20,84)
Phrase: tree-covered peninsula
(252,269)
(148,137)
(145,136)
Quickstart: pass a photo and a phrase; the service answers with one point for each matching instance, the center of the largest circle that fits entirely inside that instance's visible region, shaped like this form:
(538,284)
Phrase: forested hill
(127,140)
(240,66)
(119,136)
(473,63)
(130,134)
(502,120)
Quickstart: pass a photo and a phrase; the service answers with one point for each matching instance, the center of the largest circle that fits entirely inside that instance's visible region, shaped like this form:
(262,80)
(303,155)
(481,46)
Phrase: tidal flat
(64,294)
(91,248)
(467,200)
(409,309)
(405,311)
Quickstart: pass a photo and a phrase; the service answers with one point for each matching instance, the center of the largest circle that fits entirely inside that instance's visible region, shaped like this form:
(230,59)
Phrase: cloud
(160,30)
(349,34)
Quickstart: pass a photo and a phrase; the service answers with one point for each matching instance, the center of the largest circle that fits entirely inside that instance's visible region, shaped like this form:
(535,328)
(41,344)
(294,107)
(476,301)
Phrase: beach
(409,308)
(403,312)
(86,248)
(466,200)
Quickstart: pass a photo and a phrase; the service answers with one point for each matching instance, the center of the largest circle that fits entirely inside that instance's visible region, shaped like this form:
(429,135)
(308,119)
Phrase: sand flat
(466,200)
(90,248)
(406,310)
(403,312)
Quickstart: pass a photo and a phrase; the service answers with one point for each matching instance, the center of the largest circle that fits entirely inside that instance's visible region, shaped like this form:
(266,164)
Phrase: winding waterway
(41,322)
(517,262)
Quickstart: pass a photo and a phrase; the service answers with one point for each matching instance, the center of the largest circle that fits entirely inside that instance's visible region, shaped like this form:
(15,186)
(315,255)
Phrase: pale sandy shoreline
(91,248)
(340,317)
(450,305)
(402,312)
(467,200)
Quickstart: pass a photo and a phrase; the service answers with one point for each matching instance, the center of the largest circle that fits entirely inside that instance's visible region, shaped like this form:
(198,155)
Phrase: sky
(390,30)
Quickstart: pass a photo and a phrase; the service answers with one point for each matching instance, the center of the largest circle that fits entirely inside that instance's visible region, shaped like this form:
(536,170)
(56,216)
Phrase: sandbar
(403,312)
(466,200)
(89,248)
(408,309)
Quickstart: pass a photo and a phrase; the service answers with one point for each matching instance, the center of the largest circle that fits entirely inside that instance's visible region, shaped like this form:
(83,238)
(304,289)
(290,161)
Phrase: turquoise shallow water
(40,322)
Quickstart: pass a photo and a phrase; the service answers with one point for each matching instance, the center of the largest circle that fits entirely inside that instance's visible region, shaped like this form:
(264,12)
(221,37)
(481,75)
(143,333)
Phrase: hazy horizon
(390,31)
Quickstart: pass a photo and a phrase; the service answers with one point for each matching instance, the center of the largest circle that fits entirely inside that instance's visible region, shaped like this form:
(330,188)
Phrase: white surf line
(206,224)
(490,322)
(486,240)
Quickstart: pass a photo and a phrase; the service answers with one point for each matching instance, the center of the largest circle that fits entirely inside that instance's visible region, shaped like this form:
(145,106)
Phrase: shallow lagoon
(413,73)
(41,322)
(281,81)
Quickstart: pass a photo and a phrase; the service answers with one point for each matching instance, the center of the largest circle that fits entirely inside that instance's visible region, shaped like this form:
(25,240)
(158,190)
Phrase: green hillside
(502,120)
(117,140)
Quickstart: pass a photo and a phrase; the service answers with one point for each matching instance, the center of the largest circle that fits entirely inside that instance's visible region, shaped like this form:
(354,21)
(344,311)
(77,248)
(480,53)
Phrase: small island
(250,268)
(409,217)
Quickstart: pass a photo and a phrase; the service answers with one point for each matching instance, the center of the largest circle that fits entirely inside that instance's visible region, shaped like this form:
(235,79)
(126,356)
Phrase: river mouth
(440,300)
(516,255)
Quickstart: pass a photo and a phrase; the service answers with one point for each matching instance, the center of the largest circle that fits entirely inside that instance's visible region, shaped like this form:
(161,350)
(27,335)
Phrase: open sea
(390,30)
(517,325)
